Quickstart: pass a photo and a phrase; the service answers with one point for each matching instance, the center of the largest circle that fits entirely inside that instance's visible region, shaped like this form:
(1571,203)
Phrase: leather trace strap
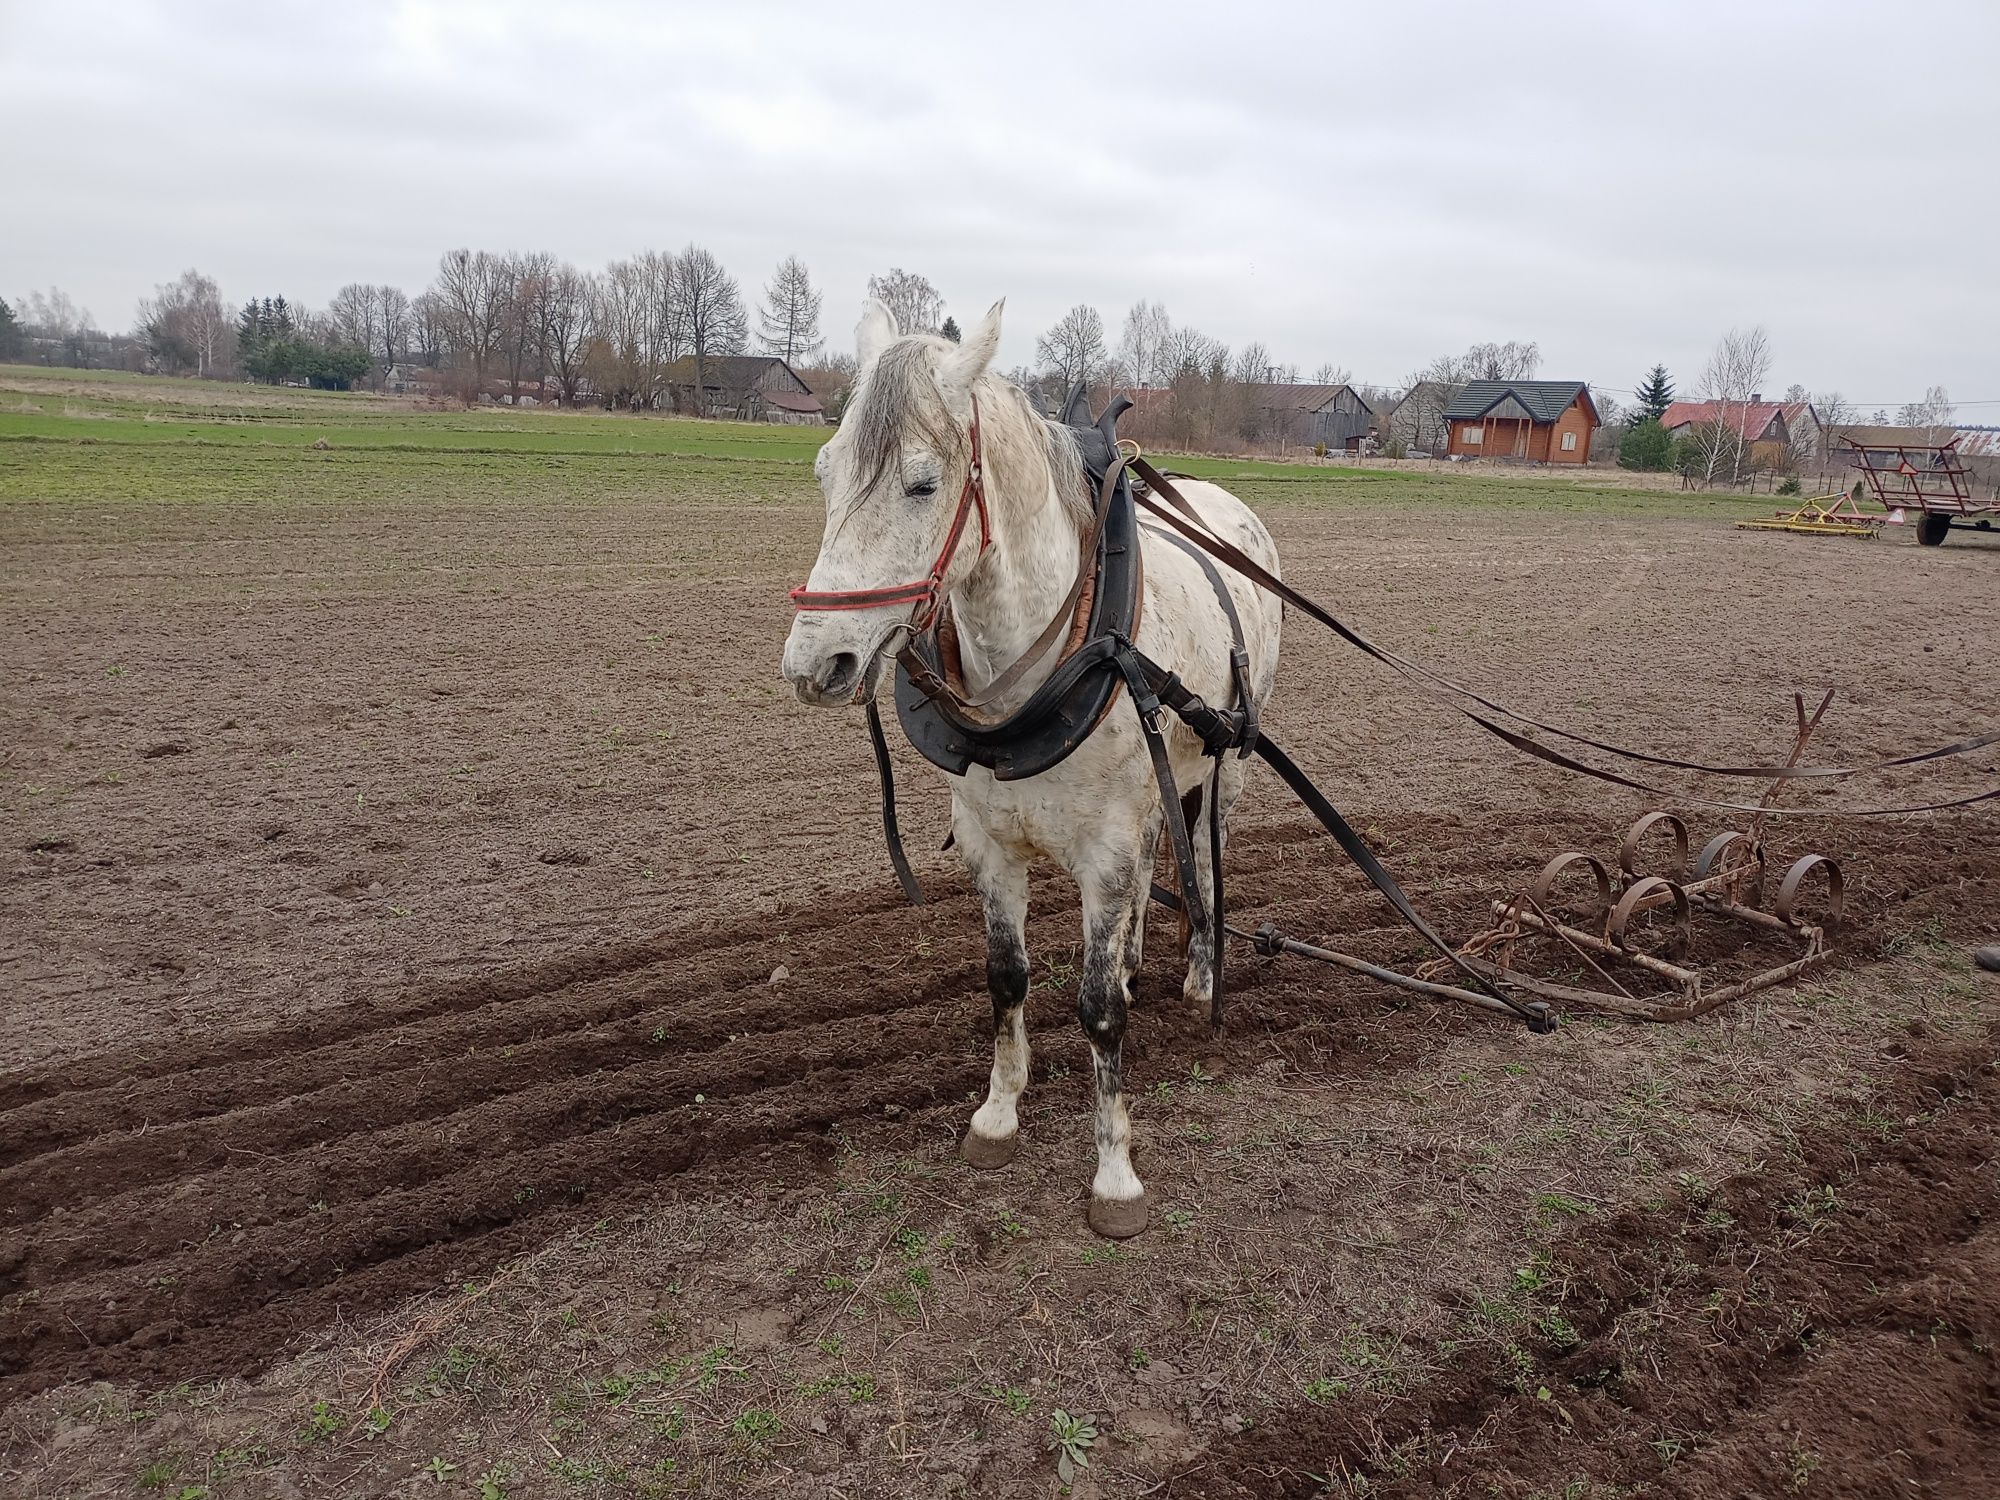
(1183,518)
(926,592)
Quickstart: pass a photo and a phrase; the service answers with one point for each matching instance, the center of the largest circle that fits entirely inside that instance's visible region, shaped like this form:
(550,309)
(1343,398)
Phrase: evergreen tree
(249,332)
(13,341)
(950,329)
(1655,395)
(1646,446)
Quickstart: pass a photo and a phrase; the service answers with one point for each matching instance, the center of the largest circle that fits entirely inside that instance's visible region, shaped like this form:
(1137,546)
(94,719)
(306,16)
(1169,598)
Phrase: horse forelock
(900,404)
(900,401)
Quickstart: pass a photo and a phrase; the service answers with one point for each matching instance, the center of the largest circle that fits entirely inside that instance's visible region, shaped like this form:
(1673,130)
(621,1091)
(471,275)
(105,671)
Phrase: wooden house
(1534,421)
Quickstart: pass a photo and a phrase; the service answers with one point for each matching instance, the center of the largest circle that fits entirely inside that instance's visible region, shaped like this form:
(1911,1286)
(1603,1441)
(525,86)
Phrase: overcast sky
(1370,185)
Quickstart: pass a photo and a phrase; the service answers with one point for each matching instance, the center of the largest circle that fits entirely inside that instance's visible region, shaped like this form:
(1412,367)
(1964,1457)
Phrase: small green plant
(755,1426)
(1558,1330)
(1325,1388)
(1012,1397)
(1559,1205)
(493,1483)
(322,1422)
(439,1469)
(1139,1359)
(1790,485)
(158,1474)
(1072,1439)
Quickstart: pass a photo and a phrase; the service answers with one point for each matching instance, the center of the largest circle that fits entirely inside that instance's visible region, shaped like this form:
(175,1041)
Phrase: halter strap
(926,592)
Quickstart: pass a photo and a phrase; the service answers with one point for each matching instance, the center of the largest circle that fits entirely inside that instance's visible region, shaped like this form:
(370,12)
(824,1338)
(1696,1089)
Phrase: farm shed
(751,387)
(1538,421)
(1762,423)
(1307,415)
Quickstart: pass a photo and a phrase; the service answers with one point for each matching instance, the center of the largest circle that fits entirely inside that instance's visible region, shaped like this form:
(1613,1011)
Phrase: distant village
(671,333)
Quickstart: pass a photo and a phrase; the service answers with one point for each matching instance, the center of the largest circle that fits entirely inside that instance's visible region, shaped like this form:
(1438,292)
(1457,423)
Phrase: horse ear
(875,332)
(969,360)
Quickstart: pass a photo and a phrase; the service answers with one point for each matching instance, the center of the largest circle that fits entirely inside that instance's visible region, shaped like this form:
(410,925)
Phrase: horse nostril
(841,670)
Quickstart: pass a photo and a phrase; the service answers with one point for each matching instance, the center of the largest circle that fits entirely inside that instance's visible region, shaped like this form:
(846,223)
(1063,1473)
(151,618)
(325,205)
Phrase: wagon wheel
(1931,528)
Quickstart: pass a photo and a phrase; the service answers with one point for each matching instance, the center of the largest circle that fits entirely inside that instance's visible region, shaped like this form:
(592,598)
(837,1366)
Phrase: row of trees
(512,326)
(645,332)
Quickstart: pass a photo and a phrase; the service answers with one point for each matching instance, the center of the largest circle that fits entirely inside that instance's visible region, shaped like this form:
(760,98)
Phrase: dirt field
(462,1037)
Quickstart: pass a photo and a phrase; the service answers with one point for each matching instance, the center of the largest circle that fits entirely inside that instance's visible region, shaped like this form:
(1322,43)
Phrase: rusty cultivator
(1603,930)
(1629,935)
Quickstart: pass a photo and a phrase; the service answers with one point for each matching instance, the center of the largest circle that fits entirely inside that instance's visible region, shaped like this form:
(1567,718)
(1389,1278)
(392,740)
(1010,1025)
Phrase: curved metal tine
(1544,882)
(1836,890)
(1628,847)
(1637,898)
(1707,863)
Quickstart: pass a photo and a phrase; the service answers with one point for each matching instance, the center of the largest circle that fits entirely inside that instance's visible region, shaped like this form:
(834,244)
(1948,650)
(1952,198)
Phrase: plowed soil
(375,926)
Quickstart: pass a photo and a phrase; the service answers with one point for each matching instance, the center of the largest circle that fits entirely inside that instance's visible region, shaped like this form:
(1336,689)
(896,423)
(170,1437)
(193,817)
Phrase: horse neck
(1028,571)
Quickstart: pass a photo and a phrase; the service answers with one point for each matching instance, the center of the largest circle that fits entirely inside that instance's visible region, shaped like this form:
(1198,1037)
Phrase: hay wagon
(1928,481)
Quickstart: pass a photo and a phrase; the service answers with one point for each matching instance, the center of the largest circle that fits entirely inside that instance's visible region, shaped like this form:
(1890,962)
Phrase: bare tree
(1935,410)
(568,297)
(522,304)
(1147,329)
(630,329)
(186,325)
(914,301)
(708,313)
(1733,375)
(1836,413)
(1073,351)
(788,321)
(355,315)
(430,329)
(1330,373)
(1513,360)
(392,306)
(53,315)
(472,289)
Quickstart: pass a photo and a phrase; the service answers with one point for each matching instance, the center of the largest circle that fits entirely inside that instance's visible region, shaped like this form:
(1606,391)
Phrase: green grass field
(67,434)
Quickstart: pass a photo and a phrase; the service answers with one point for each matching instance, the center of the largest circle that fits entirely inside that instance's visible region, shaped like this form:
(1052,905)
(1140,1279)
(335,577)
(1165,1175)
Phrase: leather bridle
(924,593)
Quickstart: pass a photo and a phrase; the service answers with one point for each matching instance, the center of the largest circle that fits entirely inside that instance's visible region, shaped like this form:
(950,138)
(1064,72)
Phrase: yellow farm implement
(1822,515)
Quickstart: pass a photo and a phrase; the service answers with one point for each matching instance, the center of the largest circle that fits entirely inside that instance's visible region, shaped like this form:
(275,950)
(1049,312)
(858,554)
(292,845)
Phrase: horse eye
(923,489)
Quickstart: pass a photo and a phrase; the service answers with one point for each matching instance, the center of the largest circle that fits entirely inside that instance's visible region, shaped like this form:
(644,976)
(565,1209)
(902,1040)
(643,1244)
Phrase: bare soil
(445,976)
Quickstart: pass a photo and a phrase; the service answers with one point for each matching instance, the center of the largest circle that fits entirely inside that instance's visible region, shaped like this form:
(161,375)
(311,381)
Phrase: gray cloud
(1369,186)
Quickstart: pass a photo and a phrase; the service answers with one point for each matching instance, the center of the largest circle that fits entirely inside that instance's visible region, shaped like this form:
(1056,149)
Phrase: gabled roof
(1752,419)
(1545,400)
(729,372)
(1309,398)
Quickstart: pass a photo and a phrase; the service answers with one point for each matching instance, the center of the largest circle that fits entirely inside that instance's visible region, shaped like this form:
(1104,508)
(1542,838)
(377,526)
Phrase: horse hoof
(986,1153)
(1988,958)
(1119,1218)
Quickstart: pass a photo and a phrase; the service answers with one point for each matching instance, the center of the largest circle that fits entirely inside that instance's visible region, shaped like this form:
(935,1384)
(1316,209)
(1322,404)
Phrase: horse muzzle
(832,673)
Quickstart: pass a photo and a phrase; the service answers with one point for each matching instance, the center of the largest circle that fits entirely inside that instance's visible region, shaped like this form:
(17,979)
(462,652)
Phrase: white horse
(890,477)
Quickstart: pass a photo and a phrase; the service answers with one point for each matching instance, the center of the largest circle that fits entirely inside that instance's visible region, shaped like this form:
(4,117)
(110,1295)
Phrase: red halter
(924,591)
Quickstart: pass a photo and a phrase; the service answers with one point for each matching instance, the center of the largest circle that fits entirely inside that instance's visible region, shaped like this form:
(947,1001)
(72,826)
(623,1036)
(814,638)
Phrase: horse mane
(900,399)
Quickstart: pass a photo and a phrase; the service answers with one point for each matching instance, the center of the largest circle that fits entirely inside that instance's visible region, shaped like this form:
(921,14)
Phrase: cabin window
(1569,442)
(1474,434)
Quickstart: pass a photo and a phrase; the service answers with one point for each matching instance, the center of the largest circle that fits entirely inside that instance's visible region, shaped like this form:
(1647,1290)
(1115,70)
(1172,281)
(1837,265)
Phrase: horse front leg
(1114,893)
(1002,880)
